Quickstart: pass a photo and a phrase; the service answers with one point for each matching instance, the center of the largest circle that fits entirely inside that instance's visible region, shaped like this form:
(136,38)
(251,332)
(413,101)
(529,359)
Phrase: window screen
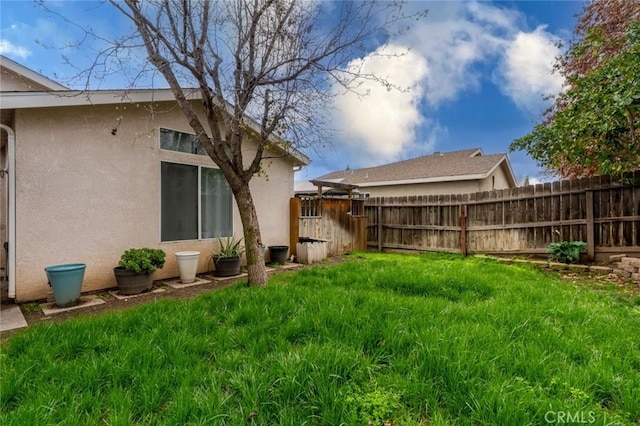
(216,204)
(183,194)
(179,205)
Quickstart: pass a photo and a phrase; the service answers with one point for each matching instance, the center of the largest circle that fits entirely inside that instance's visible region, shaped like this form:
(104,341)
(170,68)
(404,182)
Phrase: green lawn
(383,339)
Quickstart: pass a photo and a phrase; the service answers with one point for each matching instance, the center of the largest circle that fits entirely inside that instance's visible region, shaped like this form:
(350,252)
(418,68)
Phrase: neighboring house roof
(60,96)
(468,164)
(32,76)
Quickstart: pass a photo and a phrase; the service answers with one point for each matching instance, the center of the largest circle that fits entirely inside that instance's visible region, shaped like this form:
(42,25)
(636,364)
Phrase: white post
(11,168)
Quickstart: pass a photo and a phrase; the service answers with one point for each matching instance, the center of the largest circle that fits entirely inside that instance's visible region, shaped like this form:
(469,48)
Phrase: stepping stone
(11,318)
(85,302)
(176,283)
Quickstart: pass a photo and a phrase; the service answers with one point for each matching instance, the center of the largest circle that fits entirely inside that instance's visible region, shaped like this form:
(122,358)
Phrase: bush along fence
(602,211)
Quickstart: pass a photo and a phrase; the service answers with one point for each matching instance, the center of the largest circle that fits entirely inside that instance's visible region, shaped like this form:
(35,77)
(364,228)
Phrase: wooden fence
(339,221)
(602,211)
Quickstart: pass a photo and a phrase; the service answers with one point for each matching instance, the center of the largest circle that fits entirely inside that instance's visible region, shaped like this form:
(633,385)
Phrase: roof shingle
(437,165)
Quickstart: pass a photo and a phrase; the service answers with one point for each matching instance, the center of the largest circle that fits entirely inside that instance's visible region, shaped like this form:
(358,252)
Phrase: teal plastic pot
(66,282)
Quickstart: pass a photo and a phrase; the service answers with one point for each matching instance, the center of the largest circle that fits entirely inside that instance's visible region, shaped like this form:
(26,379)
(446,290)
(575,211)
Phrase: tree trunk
(257,272)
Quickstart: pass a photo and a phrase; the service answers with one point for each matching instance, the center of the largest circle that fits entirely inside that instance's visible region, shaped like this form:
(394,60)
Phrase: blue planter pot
(66,282)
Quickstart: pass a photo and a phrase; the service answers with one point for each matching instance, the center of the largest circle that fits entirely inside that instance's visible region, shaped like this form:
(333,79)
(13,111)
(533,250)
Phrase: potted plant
(227,260)
(134,270)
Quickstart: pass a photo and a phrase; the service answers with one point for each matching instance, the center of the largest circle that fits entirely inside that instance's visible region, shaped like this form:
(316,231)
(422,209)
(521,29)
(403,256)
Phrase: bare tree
(270,62)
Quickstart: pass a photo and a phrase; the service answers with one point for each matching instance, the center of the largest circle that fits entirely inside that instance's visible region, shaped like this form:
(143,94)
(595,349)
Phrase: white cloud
(454,43)
(494,16)
(457,49)
(9,49)
(459,43)
(382,123)
(527,67)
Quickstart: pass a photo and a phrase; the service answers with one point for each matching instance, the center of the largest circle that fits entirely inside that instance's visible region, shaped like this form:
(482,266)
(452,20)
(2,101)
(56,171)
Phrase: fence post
(294,224)
(463,229)
(379,228)
(591,246)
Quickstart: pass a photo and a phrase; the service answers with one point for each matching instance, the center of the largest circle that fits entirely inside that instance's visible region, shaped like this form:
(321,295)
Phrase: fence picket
(517,220)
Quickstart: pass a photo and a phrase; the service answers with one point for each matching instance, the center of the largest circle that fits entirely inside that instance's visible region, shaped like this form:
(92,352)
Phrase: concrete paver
(85,302)
(11,317)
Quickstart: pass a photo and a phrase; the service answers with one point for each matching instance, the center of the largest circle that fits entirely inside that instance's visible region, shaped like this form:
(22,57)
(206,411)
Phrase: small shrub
(566,251)
(143,260)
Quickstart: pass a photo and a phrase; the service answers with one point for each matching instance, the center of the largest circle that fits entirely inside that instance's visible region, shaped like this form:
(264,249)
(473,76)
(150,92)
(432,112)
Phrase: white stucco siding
(272,193)
(432,188)
(497,180)
(86,195)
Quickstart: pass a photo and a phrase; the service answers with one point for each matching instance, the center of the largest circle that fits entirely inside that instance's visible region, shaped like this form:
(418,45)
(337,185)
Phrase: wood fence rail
(602,211)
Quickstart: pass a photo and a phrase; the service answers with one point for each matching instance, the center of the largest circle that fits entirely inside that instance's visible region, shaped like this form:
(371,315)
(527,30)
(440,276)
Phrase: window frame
(196,155)
(193,160)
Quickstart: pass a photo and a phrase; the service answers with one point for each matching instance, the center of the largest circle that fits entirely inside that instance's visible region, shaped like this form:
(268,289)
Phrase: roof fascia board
(509,171)
(512,176)
(476,176)
(22,100)
(495,166)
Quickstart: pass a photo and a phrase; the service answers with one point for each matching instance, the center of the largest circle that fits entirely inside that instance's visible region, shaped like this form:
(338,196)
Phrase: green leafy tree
(593,126)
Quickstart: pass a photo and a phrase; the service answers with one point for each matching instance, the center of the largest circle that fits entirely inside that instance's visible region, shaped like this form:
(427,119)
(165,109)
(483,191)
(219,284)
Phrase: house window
(196,202)
(181,142)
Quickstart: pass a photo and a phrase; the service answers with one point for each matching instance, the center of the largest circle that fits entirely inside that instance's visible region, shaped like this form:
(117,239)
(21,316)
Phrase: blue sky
(477,73)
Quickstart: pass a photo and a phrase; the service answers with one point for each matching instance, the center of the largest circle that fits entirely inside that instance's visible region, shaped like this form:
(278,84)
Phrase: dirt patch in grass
(611,283)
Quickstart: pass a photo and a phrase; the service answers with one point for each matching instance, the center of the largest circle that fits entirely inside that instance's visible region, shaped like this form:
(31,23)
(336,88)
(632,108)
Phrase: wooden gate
(340,221)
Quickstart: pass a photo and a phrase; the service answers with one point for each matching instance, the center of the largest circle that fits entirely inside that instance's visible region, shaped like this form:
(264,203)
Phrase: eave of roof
(30,74)
(69,98)
(65,98)
(477,176)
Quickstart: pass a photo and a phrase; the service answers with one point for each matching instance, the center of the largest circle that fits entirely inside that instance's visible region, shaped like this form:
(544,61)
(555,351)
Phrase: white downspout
(11,167)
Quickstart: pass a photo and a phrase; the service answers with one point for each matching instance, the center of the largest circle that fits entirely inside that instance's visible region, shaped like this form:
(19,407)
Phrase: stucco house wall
(497,180)
(432,188)
(85,195)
